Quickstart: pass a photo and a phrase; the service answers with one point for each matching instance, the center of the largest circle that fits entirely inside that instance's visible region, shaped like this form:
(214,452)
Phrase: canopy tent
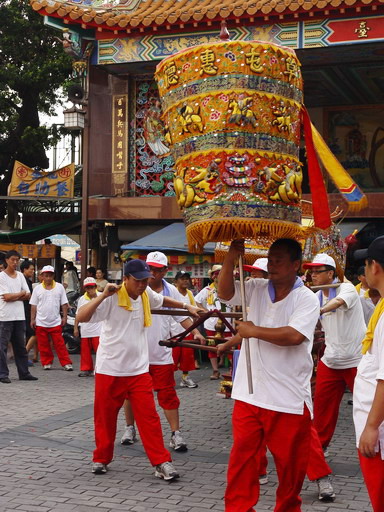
(171,239)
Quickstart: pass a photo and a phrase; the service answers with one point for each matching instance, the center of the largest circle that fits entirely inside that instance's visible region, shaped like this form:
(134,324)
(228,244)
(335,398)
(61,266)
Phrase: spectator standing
(46,301)
(27,268)
(91,272)
(90,332)
(368,393)
(122,365)
(100,280)
(344,328)
(184,358)
(13,292)
(282,319)
(71,281)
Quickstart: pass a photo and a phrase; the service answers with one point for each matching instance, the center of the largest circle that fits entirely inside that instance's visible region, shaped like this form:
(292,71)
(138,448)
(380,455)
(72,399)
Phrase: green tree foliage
(33,66)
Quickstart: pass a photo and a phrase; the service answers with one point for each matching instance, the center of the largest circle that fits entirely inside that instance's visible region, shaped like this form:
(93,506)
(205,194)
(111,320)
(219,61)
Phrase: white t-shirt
(48,304)
(370,369)
(202,298)
(88,329)
(281,375)
(12,311)
(123,347)
(344,330)
(161,329)
(368,307)
(176,327)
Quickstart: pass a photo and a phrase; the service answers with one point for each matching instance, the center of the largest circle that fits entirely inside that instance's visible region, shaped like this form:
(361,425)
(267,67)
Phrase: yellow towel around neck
(124,301)
(191,298)
(367,341)
(212,296)
(53,285)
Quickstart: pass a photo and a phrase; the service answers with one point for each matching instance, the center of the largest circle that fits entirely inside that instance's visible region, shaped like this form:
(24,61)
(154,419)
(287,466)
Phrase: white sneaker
(166,471)
(187,382)
(98,468)
(47,366)
(177,442)
(263,479)
(68,368)
(326,492)
(129,436)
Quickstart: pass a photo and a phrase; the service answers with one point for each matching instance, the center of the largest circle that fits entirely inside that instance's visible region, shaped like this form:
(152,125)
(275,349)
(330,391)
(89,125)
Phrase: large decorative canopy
(144,15)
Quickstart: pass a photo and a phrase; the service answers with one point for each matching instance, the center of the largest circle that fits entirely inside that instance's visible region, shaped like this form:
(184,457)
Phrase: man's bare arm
(375,418)
(282,336)
(225,282)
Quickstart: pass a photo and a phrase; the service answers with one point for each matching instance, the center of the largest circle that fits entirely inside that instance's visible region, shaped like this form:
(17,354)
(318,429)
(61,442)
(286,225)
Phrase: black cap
(375,251)
(181,273)
(137,269)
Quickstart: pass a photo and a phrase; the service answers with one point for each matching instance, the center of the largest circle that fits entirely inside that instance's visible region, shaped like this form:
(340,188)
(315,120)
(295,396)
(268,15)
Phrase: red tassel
(320,206)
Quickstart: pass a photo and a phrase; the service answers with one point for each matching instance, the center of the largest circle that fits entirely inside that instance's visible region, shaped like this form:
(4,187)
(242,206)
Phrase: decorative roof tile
(139,14)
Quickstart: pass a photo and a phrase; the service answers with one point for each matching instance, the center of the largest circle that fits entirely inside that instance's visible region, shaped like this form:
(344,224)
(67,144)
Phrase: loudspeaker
(112,239)
(76,93)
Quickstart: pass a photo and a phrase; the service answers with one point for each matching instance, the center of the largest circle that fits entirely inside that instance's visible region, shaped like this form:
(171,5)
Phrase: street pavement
(46,443)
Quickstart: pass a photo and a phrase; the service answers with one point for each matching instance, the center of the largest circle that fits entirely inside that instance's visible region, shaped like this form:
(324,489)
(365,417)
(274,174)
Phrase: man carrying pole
(282,319)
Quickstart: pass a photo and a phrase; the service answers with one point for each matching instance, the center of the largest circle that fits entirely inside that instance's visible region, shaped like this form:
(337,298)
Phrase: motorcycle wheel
(72,343)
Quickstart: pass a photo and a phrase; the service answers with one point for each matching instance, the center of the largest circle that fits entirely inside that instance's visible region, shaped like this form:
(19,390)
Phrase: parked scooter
(72,342)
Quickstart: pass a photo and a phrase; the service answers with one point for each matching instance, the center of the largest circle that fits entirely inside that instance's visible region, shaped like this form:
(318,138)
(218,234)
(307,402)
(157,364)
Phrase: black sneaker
(5,380)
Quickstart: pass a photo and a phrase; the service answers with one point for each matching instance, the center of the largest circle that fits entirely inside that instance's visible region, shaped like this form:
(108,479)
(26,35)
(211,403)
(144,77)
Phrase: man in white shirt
(282,319)
(161,366)
(184,358)
(344,327)
(13,292)
(46,301)
(90,331)
(207,298)
(122,365)
(368,393)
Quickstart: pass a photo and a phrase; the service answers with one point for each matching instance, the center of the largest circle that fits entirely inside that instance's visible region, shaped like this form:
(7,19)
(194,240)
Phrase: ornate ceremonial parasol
(234,117)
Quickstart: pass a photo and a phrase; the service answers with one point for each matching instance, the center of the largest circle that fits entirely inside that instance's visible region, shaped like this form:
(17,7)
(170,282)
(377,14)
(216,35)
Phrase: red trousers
(110,393)
(373,473)
(163,382)
(211,334)
(288,438)
(330,387)
(86,361)
(317,465)
(43,342)
(184,358)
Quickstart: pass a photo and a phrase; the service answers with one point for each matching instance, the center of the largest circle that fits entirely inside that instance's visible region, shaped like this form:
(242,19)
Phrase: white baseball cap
(157,259)
(89,281)
(320,260)
(47,268)
(260,264)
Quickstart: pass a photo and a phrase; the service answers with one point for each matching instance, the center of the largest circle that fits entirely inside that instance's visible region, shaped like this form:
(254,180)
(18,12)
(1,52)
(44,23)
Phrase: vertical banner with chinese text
(39,183)
(119,143)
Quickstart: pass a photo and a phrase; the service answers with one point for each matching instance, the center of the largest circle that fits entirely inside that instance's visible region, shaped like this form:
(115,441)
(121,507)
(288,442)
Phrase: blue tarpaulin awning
(170,238)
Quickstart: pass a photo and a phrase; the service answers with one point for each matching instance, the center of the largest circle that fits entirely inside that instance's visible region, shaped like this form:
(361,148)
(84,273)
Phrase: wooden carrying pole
(245,341)
(186,344)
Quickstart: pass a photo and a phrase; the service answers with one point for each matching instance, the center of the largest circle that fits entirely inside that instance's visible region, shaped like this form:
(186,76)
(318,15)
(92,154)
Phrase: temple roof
(145,15)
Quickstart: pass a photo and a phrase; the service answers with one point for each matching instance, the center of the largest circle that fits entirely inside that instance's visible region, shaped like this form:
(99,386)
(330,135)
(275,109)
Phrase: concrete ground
(46,443)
